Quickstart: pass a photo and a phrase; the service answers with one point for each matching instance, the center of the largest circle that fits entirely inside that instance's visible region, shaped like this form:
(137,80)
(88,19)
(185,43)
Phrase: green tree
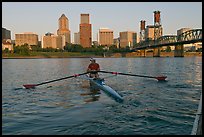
(76,48)
(113,48)
(67,47)
(36,48)
(6,50)
(127,48)
(23,49)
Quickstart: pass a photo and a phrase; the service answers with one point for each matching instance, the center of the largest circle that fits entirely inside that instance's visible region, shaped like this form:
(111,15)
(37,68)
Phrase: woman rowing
(93,69)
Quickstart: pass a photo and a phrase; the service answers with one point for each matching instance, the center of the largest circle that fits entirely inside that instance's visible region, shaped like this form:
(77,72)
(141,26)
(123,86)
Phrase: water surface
(149,108)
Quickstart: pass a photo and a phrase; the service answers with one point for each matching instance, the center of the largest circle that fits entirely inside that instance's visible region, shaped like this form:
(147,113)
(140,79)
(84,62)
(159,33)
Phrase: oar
(159,78)
(27,86)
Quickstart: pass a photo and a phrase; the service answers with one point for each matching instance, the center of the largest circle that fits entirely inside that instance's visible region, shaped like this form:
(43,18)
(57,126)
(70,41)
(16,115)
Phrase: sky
(42,17)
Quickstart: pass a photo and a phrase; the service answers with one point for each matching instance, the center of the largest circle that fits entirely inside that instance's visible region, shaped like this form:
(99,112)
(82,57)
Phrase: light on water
(63,108)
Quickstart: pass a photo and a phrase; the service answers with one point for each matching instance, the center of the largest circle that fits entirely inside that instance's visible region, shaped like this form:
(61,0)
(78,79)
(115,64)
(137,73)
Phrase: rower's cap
(92,59)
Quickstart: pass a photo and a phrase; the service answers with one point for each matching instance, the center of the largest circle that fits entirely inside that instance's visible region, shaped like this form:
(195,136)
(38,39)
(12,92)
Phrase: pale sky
(42,17)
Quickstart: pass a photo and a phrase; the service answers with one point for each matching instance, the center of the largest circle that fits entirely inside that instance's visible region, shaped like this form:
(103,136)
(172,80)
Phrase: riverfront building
(149,32)
(77,38)
(116,42)
(105,37)
(53,41)
(85,31)
(29,38)
(128,38)
(6,39)
(6,44)
(64,28)
(6,34)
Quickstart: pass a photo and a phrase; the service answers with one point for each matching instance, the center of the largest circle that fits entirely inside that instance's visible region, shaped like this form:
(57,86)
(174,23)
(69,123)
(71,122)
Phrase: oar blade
(30,86)
(161,78)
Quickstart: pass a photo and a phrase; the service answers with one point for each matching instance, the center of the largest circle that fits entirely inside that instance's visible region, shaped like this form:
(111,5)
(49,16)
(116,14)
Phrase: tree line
(94,49)
(97,50)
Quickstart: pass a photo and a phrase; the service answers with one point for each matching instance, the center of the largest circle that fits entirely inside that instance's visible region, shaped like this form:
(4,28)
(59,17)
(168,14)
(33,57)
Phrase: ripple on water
(149,108)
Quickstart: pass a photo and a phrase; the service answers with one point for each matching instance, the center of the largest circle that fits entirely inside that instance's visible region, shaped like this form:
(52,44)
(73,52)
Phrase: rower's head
(92,60)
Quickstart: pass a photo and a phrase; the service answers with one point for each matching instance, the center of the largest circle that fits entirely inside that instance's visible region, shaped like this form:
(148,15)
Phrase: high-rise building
(105,37)
(149,32)
(6,34)
(29,38)
(64,28)
(77,38)
(85,19)
(53,41)
(128,38)
(85,31)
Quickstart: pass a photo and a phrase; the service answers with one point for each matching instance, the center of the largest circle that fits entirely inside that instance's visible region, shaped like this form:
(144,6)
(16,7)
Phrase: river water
(59,108)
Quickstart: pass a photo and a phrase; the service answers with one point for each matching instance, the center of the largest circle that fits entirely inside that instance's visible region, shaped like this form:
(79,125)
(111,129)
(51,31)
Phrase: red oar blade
(161,78)
(30,86)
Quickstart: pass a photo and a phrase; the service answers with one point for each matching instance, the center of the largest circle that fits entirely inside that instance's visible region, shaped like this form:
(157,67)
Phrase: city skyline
(19,17)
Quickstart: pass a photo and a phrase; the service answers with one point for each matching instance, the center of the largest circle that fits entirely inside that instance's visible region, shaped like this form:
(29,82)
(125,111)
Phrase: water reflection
(93,94)
(92,98)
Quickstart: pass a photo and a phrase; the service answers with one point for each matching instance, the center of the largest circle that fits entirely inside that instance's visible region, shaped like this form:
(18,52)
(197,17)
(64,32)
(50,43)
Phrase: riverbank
(36,55)
(89,55)
(163,54)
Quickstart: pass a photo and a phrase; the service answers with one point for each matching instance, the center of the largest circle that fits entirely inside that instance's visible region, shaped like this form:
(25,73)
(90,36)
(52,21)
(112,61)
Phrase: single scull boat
(100,83)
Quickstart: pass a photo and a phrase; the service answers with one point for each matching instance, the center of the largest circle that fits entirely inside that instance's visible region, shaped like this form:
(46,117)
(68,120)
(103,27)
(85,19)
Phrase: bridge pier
(179,51)
(142,53)
(156,52)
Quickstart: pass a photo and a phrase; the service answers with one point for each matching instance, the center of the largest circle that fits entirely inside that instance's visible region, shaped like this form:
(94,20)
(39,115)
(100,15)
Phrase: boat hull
(99,83)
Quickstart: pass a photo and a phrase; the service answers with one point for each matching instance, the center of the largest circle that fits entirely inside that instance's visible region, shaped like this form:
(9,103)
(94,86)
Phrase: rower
(93,68)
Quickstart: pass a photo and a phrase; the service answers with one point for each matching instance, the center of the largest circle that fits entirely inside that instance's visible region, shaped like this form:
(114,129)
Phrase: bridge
(188,37)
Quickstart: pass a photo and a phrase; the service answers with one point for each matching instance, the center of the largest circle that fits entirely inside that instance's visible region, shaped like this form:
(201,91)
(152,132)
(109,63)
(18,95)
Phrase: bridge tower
(157,32)
(142,30)
(142,36)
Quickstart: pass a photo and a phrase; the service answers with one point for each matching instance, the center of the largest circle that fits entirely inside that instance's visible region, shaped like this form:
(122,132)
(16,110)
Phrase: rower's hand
(93,71)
